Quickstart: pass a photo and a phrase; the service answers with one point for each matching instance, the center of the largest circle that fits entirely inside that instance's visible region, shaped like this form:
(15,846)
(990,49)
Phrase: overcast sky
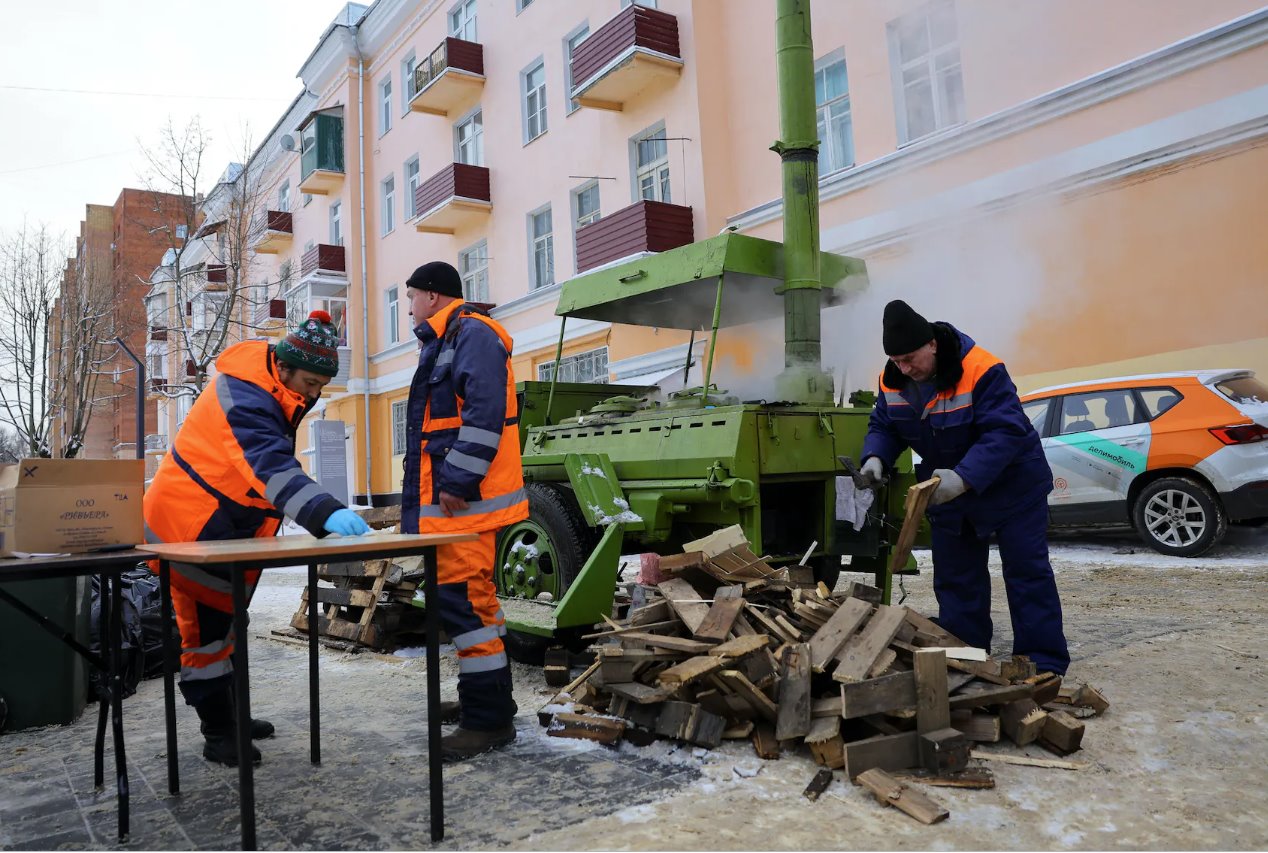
(231,62)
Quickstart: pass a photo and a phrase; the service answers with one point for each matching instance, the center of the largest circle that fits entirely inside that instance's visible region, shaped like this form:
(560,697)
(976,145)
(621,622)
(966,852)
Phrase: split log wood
(1062,733)
(582,727)
(943,751)
(887,752)
(980,728)
(825,742)
(888,791)
(818,785)
(765,744)
(914,506)
(932,710)
(1022,721)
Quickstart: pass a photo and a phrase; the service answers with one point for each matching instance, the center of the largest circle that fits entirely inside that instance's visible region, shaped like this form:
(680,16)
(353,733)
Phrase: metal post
(803,378)
(314,692)
(140,397)
(431,615)
(554,375)
(713,341)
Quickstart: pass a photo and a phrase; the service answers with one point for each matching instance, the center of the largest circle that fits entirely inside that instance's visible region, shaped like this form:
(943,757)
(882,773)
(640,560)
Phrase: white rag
(853,502)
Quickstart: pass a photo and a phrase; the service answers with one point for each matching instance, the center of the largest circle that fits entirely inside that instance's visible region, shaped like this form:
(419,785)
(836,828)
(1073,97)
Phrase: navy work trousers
(963,586)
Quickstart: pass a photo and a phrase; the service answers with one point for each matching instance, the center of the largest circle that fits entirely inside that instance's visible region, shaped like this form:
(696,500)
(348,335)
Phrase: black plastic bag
(142,628)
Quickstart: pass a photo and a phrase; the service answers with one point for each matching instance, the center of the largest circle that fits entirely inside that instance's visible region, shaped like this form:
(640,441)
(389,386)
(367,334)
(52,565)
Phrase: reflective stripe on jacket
(462,433)
(232,471)
(973,424)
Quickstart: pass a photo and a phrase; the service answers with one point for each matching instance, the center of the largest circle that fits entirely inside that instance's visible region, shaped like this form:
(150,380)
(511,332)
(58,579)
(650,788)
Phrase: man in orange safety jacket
(462,474)
(232,474)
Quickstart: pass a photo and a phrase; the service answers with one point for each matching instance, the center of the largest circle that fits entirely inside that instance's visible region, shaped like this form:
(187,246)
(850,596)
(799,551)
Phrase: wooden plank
(863,591)
(1045,687)
(770,625)
(742,646)
(887,752)
(826,745)
(685,601)
(793,630)
(739,731)
(676,644)
(638,693)
(928,626)
(1027,761)
(986,670)
(1082,696)
(888,791)
(657,611)
(1022,720)
(943,751)
(582,727)
(690,722)
(765,744)
(793,719)
(718,541)
(882,666)
(818,785)
(990,696)
(877,695)
(960,652)
(861,651)
(913,511)
(828,640)
(980,728)
(972,777)
(932,710)
(828,706)
(718,621)
(674,564)
(1062,733)
(690,670)
(745,689)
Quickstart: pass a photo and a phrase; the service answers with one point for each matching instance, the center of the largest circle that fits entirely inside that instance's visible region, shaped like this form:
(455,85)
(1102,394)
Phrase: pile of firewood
(727,647)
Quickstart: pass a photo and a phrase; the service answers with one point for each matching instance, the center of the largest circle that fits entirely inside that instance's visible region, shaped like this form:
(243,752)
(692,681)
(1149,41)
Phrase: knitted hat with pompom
(313,345)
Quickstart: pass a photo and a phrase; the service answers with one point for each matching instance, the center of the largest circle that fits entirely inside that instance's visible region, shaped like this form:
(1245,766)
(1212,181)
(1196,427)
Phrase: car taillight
(1241,434)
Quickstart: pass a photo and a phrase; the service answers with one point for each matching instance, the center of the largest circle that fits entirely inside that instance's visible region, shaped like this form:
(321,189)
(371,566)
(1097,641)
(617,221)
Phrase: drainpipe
(365,281)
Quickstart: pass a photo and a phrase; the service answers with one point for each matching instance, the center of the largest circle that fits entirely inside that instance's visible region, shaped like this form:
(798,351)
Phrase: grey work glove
(873,472)
(951,487)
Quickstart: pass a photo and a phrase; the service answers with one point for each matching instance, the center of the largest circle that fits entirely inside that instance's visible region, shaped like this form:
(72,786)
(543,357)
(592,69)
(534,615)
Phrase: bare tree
(12,448)
(211,270)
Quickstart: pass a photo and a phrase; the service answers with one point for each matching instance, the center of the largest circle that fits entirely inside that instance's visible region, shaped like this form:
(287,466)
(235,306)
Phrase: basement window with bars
(588,366)
(400,411)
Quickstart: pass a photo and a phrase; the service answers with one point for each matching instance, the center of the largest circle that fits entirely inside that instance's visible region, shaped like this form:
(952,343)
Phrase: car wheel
(1179,517)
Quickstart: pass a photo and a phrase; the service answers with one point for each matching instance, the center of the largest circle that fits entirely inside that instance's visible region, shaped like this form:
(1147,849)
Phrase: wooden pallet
(348,612)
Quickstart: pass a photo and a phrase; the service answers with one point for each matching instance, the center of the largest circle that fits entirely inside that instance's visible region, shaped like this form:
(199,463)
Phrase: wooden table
(242,555)
(108,566)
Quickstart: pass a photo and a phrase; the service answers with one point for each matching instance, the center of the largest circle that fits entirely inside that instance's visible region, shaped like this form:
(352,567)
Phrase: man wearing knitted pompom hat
(232,474)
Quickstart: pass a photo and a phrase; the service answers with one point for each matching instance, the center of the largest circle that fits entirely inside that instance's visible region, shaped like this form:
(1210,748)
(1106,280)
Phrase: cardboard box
(68,506)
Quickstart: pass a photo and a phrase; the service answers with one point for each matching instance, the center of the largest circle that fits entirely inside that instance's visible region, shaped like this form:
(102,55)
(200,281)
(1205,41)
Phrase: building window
(385,106)
(393,315)
(469,140)
(574,38)
(589,366)
(210,311)
(412,180)
(585,204)
(336,228)
(462,21)
(284,197)
(651,166)
(533,101)
(400,413)
(925,63)
(832,103)
(541,243)
(156,310)
(182,231)
(156,361)
(389,205)
(521,5)
(408,65)
(473,266)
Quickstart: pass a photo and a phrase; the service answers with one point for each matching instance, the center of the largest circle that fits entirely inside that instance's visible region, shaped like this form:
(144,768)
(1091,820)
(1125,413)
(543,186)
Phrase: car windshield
(1244,389)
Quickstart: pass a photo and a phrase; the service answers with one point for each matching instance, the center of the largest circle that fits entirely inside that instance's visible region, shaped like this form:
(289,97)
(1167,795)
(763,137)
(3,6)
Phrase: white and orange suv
(1178,456)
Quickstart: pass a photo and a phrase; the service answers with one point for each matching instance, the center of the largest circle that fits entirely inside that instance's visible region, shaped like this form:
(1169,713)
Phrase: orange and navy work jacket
(462,427)
(972,424)
(232,471)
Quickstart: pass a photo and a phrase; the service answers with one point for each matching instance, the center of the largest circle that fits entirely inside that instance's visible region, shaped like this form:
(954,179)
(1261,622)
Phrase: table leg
(435,783)
(314,698)
(103,709)
(116,697)
(169,687)
(242,695)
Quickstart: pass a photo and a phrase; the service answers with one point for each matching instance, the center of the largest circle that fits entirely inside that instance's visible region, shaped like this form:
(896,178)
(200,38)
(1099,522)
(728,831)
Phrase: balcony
(275,232)
(450,79)
(323,258)
(634,51)
(158,333)
(454,198)
(645,226)
(217,277)
(156,442)
(321,153)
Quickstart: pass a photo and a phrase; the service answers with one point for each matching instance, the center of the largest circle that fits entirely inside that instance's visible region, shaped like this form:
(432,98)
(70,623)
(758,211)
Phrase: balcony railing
(454,198)
(217,274)
(321,158)
(450,78)
(645,226)
(158,333)
(275,230)
(636,50)
(323,258)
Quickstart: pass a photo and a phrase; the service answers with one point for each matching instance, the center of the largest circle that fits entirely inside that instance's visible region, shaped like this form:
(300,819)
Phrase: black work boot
(260,729)
(216,713)
(450,712)
(462,743)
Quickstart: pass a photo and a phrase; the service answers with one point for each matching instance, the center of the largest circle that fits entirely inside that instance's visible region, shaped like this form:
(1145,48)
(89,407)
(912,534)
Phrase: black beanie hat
(438,277)
(904,330)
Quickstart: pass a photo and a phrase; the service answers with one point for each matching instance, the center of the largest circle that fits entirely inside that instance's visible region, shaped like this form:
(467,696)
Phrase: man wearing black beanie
(954,403)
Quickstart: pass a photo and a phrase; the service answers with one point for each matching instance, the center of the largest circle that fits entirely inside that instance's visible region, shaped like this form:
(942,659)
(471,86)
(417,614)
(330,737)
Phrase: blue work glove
(345,522)
(951,487)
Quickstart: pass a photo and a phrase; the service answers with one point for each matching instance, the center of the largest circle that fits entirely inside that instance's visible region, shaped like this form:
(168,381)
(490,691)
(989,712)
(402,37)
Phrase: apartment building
(1054,177)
